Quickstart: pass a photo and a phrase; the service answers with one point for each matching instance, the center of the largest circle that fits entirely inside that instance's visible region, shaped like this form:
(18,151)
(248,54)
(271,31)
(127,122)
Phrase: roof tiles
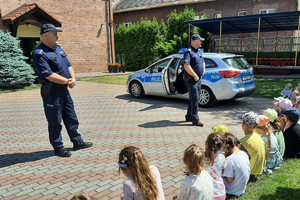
(19,11)
(131,5)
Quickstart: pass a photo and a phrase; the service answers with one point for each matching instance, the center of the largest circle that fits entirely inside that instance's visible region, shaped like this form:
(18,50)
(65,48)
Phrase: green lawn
(282,184)
(269,88)
(111,79)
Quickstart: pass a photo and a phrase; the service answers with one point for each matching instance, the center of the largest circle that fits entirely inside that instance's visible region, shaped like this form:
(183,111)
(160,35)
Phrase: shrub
(14,71)
(136,42)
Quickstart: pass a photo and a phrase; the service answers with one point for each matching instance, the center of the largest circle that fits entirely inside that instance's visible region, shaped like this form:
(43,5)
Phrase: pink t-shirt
(131,192)
(216,173)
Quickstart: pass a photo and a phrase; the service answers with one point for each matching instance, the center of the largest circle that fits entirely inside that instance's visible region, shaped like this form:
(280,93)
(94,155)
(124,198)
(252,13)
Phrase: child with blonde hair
(143,181)
(215,163)
(275,128)
(198,184)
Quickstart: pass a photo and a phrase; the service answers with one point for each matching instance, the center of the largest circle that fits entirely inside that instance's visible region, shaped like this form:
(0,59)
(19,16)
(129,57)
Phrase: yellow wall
(28,31)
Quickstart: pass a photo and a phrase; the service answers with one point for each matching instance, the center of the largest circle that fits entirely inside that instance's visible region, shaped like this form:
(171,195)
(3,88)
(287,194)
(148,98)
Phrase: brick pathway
(111,119)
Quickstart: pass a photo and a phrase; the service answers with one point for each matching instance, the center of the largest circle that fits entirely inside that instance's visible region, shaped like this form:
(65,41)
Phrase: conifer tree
(14,71)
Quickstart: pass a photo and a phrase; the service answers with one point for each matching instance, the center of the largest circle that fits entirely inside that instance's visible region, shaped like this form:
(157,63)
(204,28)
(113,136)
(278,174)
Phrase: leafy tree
(14,71)
(176,33)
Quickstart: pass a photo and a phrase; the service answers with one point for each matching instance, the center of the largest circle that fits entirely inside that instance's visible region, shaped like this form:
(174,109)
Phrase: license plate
(246,78)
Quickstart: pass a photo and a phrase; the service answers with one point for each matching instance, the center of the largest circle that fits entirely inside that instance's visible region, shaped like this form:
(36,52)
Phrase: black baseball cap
(49,28)
(197,37)
(291,113)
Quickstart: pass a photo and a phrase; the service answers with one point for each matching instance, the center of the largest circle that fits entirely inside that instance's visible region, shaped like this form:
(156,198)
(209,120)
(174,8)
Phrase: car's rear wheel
(136,89)
(207,98)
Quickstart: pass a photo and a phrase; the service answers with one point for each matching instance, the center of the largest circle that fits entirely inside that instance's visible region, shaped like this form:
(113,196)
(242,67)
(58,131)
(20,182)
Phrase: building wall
(81,21)
(228,8)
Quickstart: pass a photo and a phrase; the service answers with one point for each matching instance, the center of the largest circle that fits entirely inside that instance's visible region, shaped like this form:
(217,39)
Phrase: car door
(153,80)
(170,75)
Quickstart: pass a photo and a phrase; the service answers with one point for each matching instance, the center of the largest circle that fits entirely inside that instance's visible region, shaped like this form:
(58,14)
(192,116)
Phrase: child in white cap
(275,127)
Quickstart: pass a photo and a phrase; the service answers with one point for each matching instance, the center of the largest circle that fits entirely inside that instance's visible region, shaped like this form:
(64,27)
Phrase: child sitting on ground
(253,143)
(285,103)
(215,164)
(292,134)
(275,128)
(198,184)
(273,156)
(237,170)
(144,181)
(288,90)
(221,129)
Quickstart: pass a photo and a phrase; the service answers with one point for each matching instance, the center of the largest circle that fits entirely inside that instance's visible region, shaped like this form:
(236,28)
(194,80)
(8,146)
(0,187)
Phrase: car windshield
(237,62)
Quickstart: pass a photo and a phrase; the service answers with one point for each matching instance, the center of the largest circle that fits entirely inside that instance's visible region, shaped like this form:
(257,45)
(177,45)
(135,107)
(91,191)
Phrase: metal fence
(249,44)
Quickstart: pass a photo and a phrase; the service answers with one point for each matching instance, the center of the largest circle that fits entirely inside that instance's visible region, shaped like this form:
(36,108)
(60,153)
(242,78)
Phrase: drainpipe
(111,32)
(107,31)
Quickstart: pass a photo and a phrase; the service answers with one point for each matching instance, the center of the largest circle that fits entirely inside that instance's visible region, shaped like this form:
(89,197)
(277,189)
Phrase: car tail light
(229,74)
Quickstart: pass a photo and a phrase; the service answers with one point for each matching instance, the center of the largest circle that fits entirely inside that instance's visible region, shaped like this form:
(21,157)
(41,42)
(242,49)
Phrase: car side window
(174,62)
(158,67)
(209,63)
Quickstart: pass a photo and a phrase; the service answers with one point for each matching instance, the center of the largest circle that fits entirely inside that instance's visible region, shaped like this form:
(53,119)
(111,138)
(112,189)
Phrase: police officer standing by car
(56,75)
(194,66)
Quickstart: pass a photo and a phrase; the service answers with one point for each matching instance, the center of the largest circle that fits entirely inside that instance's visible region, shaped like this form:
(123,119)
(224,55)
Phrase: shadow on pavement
(227,108)
(164,123)
(15,158)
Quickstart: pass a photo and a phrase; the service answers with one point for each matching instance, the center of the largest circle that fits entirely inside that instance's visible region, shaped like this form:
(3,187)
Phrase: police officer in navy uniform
(194,66)
(56,75)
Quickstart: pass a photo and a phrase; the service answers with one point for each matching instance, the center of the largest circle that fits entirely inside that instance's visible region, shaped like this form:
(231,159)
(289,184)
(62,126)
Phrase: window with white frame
(218,15)
(242,13)
(267,11)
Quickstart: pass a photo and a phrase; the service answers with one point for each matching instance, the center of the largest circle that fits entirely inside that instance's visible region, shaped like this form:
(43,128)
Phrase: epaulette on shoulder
(40,51)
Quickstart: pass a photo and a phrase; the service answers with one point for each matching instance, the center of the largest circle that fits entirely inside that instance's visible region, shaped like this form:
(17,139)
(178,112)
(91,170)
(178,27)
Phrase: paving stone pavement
(111,119)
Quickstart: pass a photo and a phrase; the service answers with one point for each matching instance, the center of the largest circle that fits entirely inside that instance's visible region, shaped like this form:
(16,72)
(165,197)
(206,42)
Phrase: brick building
(87,35)
(127,11)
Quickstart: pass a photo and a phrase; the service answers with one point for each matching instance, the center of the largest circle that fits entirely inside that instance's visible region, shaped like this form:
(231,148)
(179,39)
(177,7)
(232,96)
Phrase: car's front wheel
(136,89)
(207,98)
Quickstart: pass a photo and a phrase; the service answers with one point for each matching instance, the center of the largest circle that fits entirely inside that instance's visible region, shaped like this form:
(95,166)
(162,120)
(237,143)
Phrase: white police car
(227,76)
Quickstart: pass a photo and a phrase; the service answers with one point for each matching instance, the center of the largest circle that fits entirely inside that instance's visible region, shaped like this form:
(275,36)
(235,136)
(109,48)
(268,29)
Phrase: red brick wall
(228,8)
(81,21)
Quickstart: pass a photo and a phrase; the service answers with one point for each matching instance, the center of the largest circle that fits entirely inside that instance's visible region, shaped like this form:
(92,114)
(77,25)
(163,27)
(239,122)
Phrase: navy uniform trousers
(194,89)
(58,106)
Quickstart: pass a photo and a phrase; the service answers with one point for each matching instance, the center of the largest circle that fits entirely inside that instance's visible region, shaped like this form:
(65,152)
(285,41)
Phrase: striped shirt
(256,149)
